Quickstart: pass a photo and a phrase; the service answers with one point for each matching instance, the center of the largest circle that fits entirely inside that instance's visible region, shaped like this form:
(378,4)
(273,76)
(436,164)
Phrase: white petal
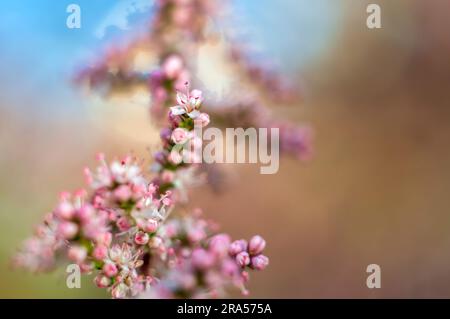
(194,114)
(181,98)
(177,110)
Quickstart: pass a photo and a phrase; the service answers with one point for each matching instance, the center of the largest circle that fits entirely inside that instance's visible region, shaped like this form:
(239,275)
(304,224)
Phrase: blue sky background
(38,52)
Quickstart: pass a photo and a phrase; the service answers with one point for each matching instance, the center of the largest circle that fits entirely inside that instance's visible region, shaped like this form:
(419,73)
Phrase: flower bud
(123,193)
(155,242)
(151,225)
(202,259)
(100,252)
(115,253)
(141,238)
(202,120)
(110,269)
(219,244)
(65,210)
(120,291)
(243,259)
(259,262)
(101,281)
(195,235)
(167,176)
(172,66)
(87,267)
(67,230)
(123,224)
(85,213)
(165,134)
(237,246)
(77,254)
(229,267)
(175,157)
(256,245)
(180,135)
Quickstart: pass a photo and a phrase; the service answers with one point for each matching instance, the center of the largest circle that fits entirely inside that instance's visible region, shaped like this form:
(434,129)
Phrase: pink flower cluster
(250,254)
(163,82)
(122,230)
(202,265)
(172,170)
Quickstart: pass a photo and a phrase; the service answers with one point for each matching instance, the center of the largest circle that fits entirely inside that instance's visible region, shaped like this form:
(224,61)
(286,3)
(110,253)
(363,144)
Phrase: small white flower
(188,104)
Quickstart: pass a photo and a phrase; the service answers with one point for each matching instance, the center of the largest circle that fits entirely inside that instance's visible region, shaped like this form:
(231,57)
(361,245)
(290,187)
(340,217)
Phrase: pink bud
(98,201)
(102,281)
(179,135)
(110,269)
(155,242)
(120,291)
(237,246)
(123,224)
(167,176)
(260,262)
(85,213)
(172,66)
(195,235)
(219,244)
(100,252)
(229,267)
(123,193)
(77,254)
(86,267)
(202,120)
(151,225)
(202,259)
(243,259)
(138,190)
(256,245)
(175,157)
(65,210)
(67,230)
(141,238)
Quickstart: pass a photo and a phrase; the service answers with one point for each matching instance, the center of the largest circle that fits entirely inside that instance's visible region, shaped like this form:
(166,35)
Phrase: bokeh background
(377,190)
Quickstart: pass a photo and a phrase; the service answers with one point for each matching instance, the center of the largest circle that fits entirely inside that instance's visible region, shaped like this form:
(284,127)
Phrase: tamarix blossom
(124,232)
(128,229)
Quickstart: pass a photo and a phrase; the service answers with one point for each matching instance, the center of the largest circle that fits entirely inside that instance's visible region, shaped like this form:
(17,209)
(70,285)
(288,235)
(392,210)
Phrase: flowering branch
(177,30)
(122,232)
(127,229)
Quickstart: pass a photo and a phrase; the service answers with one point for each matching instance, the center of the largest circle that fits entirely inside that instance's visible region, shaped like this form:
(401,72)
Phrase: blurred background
(375,192)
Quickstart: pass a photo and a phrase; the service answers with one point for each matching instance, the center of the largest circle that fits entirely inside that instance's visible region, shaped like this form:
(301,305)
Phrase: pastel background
(377,190)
